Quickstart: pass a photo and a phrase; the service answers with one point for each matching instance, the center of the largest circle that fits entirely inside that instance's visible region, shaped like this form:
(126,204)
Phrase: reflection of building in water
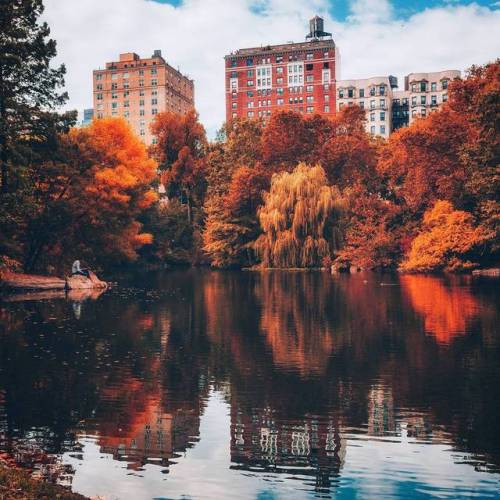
(153,437)
(381,418)
(305,447)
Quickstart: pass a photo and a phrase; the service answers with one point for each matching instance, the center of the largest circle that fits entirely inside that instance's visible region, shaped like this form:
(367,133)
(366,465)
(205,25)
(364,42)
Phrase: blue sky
(403,9)
(375,37)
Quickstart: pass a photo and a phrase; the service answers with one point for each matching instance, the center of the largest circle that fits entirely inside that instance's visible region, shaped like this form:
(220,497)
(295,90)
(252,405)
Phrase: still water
(200,384)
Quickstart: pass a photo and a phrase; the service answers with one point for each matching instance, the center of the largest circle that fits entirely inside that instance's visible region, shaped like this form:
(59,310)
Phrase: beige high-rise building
(387,108)
(137,89)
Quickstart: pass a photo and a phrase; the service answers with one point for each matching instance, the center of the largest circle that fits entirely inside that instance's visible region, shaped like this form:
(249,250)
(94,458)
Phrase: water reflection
(311,371)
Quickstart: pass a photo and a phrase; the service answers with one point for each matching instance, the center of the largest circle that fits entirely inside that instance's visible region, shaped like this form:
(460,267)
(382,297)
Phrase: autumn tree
(300,219)
(88,197)
(29,85)
(477,97)
(180,151)
(447,240)
(421,163)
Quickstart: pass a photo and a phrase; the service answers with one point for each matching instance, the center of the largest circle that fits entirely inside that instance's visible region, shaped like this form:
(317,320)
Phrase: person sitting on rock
(76,269)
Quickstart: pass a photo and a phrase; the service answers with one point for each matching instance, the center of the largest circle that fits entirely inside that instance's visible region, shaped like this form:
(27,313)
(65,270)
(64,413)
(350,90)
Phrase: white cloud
(196,35)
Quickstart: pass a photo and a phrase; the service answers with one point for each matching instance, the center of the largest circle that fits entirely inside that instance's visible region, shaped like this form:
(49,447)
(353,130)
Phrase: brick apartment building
(293,76)
(137,89)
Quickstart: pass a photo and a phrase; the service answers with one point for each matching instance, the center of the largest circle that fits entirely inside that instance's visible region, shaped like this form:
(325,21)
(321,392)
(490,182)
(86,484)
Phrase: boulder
(78,282)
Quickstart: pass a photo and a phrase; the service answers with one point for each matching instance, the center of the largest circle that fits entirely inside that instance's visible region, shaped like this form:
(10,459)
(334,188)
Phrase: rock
(30,282)
(78,282)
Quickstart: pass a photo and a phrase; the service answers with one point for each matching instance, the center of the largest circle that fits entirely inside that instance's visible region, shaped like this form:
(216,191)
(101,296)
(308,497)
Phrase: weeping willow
(300,219)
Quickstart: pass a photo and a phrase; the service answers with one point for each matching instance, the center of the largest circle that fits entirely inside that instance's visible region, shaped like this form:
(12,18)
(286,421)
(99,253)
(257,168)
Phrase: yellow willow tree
(301,220)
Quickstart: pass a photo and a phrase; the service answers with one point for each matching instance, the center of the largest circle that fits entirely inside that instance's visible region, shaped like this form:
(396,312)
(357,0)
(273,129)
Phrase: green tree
(29,86)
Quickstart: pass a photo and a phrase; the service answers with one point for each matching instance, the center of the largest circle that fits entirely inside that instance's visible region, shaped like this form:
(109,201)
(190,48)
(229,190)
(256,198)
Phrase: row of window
(280,91)
(423,86)
(126,75)
(279,59)
(309,109)
(414,102)
(373,129)
(351,92)
(280,101)
(361,104)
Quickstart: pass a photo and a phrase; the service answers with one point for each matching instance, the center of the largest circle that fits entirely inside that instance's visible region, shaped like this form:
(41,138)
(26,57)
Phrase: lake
(202,384)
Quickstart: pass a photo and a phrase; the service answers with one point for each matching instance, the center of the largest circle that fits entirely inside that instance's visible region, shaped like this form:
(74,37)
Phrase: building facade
(137,89)
(388,108)
(374,95)
(297,77)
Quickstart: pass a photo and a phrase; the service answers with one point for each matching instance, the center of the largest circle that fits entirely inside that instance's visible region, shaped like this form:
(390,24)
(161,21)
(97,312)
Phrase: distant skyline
(375,37)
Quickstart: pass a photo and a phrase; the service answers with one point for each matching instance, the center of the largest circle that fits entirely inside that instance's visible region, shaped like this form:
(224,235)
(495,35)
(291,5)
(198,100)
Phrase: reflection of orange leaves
(143,239)
(446,311)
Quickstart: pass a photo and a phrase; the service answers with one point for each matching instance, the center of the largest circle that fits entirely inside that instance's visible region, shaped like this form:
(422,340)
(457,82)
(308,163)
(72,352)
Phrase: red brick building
(293,76)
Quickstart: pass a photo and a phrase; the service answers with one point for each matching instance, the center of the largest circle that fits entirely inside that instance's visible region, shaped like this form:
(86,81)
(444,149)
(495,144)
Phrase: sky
(375,37)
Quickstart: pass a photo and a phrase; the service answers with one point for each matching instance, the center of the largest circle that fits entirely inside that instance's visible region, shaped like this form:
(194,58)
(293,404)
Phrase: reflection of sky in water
(373,468)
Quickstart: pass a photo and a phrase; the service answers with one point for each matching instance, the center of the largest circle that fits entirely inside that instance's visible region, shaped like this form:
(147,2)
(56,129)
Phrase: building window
(326,87)
(280,102)
(372,117)
(413,113)
(249,62)
(327,98)
(279,91)
(154,71)
(98,76)
(382,129)
(423,87)
(250,114)
(433,86)
(327,109)
(154,140)
(372,104)
(141,102)
(99,86)
(126,104)
(99,115)
(372,129)
(141,83)
(310,98)
(249,73)
(279,70)
(445,97)
(142,132)
(114,105)
(325,76)
(154,111)
(382,103)
(126,114)
(234,105)
(362,104)
(372,91)
(341,93)
(114,76)
(154,101)
(423,100)
(154,83)
(444,84)
(125,75)
(382,116)
(279,81)
(361,92)
(309,109)
(114,95)
(141,112)
(341,105)
(114,86)
(233,63)
(414,101)
(99,97)
(235,115)
(422,113)
(309,67)
(382,89)
(413,87)
(350,93)
(249,83)
(141,72)
(309,56)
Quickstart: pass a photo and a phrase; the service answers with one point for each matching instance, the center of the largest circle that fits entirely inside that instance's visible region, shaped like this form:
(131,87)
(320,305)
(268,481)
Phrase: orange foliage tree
(180,151)
(90,196)
(300,219)
(447,240)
